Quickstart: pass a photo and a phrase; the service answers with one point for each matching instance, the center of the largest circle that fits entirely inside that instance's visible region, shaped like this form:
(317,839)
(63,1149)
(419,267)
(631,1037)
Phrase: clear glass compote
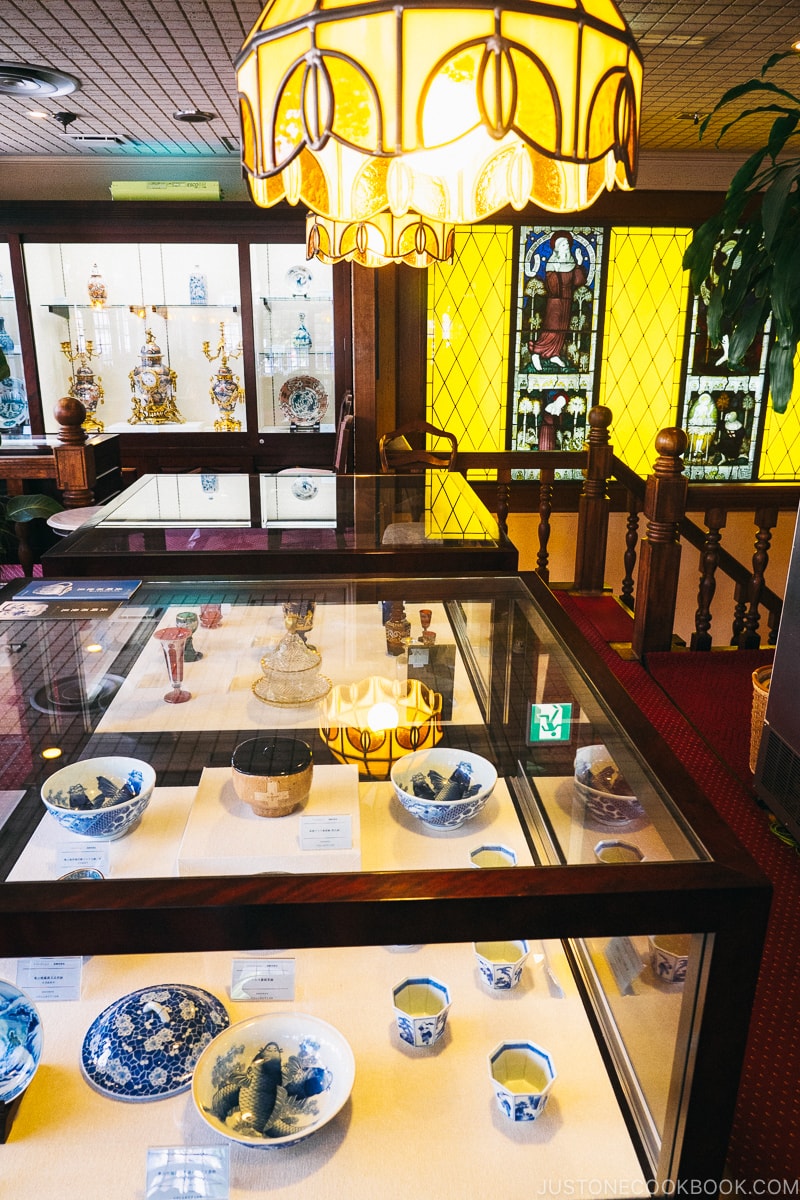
(173,643)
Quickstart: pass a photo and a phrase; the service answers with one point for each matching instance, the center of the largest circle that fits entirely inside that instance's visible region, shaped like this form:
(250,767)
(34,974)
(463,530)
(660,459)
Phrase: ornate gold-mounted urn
(226,388)
(153,387)
(85,385)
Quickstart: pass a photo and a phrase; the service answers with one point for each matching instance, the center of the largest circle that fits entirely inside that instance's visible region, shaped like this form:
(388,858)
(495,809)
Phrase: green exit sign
(550,723)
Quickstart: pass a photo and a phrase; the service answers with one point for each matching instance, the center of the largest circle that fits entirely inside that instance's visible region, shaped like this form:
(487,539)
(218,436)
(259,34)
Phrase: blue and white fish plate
(274,1079)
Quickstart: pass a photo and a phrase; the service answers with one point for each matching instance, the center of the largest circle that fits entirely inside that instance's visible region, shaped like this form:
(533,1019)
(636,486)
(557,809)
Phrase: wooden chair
(344,435)
(405,449)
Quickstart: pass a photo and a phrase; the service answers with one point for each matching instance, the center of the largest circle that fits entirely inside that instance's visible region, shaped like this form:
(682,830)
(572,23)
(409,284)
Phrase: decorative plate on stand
(303,400)
(299,278)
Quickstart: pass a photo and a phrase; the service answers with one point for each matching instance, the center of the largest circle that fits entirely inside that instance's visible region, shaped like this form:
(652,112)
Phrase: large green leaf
(28,508)
(782,130)
(750,321)
(777,200)
(781,375)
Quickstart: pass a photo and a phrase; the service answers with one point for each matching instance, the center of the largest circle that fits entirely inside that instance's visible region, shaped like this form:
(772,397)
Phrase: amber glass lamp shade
(375,721)
(394,122)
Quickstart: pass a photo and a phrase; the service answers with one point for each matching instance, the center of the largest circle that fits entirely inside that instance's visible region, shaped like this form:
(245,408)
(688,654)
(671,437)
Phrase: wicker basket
(761,678)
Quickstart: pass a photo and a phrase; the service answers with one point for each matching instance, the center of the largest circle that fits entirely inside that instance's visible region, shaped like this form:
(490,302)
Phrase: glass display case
(237,524)
(293,328)
(14,416)
(147,336)
(642,917)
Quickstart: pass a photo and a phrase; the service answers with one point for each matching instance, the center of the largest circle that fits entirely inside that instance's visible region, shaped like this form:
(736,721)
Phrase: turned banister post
(766,518)
(593,505)
(715,519)
(546,478)
(660,550)
(74,458)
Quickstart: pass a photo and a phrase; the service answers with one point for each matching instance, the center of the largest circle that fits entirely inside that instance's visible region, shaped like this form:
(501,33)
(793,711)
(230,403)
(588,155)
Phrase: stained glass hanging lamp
(393,121)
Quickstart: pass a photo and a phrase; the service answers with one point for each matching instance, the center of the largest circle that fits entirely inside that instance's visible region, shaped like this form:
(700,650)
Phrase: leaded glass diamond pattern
(645,308)
(469,312)
(780,453)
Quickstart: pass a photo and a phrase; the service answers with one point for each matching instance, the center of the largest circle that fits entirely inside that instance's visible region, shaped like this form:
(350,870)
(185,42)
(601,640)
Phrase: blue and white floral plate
(274,1079)
(144,1046)
(20,1041)
(303,400)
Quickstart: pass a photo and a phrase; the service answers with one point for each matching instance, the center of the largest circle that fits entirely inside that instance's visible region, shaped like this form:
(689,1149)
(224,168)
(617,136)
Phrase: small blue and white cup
(493,856)
(523,1075)
(501,963)
(421,1006)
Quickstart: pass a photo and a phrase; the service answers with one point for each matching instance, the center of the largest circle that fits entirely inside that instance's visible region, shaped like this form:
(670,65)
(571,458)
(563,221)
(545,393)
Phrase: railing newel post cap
(671,445)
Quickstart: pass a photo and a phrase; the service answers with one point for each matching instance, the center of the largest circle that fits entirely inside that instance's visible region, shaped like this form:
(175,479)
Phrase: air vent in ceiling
(97,139)
(26,81)
(230,144)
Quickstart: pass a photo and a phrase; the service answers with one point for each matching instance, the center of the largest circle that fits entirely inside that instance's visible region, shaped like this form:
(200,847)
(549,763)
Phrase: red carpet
(611,619)
(765,1142)
(715,693)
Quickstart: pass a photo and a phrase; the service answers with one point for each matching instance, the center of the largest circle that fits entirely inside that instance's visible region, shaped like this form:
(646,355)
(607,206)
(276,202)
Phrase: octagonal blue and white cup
(421,1006)
(523,1076)
(501,963)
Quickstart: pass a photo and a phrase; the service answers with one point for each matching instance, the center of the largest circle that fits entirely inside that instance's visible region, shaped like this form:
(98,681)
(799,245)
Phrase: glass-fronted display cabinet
(14,416)
(488,848)
(147,336)
(293,328)
(175,320)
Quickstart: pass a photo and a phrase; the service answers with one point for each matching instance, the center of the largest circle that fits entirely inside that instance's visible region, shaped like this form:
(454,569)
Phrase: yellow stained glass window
(469,315)
(643,338)
(780,449)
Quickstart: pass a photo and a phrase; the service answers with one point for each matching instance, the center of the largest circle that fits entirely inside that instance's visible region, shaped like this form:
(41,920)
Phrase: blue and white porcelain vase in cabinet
(198,287)
(6,340)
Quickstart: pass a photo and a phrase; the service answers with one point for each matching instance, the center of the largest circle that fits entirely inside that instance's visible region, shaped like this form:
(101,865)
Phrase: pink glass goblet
(210,615)
(173,643)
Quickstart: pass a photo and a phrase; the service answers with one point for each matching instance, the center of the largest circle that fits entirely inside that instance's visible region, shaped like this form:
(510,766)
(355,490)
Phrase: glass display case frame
(705,884)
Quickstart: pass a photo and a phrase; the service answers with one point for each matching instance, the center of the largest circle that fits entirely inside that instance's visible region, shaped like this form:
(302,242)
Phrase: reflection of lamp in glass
(374,722)
(393,121)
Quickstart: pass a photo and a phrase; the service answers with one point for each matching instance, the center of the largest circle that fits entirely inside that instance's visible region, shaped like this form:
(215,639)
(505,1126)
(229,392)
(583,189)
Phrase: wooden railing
(650,559)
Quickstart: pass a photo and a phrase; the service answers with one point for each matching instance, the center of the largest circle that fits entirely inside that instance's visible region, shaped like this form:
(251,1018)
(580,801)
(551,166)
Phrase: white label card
(326,833)
(91,854)
(50,978)
(188,1173)
(263,979)
(625,962)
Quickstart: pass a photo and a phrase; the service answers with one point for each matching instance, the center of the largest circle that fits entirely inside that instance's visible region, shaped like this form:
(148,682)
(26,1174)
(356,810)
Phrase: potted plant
(745,259)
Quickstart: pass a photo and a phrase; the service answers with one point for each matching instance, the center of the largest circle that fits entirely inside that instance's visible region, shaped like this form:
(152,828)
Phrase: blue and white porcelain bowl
(273,1080)
(20,1041)
(144,1046)
(603,789)
(101,798)
(443,787)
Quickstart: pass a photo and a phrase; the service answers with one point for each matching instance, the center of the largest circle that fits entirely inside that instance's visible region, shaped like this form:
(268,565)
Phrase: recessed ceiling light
(194,116)
(36,115)
(24,80)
